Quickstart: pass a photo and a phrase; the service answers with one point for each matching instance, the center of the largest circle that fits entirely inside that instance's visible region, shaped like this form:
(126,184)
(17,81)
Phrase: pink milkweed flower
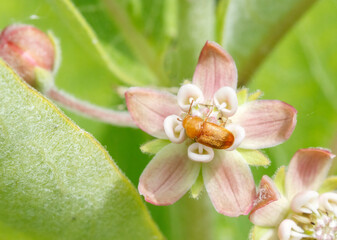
(211,96)
(299,203)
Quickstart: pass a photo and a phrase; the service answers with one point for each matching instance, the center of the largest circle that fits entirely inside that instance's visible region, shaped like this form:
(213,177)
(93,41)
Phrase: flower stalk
(118,118)
(192,219)
(45,84)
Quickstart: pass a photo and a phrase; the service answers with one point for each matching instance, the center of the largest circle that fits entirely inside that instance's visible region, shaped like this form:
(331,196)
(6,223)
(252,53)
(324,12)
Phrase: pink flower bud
(24,48)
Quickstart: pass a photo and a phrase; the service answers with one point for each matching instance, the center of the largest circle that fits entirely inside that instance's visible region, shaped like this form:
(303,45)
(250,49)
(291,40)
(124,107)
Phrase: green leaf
(56,180)
(136,41)
(253,28)
(254,157)
(126,70)
(154,146)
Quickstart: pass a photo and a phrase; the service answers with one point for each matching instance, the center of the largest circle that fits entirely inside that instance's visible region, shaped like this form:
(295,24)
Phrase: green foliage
(253,28)
(301,72)
(56,180)
(115,62)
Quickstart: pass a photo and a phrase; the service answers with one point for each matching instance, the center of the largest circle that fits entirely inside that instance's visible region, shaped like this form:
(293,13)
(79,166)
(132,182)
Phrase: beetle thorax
(193,126)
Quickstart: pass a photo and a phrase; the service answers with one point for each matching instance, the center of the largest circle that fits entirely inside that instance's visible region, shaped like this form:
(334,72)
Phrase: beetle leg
(223,124)
(224,121)
(206,105)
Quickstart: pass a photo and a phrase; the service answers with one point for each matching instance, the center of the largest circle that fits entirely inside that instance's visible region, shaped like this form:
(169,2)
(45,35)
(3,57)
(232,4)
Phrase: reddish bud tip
(25,47)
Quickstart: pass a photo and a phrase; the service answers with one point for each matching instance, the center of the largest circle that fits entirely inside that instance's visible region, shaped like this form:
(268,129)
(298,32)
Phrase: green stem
(252,63)
(45,84)
(196,22)
(192,219)
(221,11)
(113,117)
(136,41)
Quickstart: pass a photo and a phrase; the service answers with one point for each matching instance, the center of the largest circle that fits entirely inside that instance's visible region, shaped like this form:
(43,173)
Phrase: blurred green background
(286,49)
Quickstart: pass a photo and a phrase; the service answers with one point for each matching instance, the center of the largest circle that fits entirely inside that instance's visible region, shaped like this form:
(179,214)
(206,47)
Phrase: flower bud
(24,48)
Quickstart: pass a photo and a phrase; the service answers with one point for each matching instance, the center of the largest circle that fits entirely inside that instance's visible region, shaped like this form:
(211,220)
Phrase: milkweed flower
(298,203)
(223,167)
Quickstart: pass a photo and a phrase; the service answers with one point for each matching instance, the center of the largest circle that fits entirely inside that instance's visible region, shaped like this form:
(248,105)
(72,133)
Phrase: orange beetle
(207,133)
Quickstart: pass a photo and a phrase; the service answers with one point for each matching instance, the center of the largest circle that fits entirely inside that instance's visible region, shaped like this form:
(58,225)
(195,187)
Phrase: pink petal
(267,123)
(168,176)
(307,170)
(215,69)
(270,207)
(229,183)
(149,108)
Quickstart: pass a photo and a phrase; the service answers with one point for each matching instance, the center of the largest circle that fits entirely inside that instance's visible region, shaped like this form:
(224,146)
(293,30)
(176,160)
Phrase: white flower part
(188,93)
(288,230)
(239,134)
(329,202)
(174,129)
(306,202)
(196,112)
(200,153)
(226,101)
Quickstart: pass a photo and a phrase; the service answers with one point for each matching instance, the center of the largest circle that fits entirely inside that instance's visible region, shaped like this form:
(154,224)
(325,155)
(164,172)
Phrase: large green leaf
(83,76)
(56,180)
(254,27)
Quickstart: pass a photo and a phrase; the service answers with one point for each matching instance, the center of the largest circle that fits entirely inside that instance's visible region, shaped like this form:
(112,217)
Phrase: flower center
(205,122)
(314,216)
(208,112)
(321,225)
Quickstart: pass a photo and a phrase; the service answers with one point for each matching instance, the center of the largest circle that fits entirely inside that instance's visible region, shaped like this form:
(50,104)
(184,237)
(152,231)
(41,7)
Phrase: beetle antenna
(209,113)
(189,110)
